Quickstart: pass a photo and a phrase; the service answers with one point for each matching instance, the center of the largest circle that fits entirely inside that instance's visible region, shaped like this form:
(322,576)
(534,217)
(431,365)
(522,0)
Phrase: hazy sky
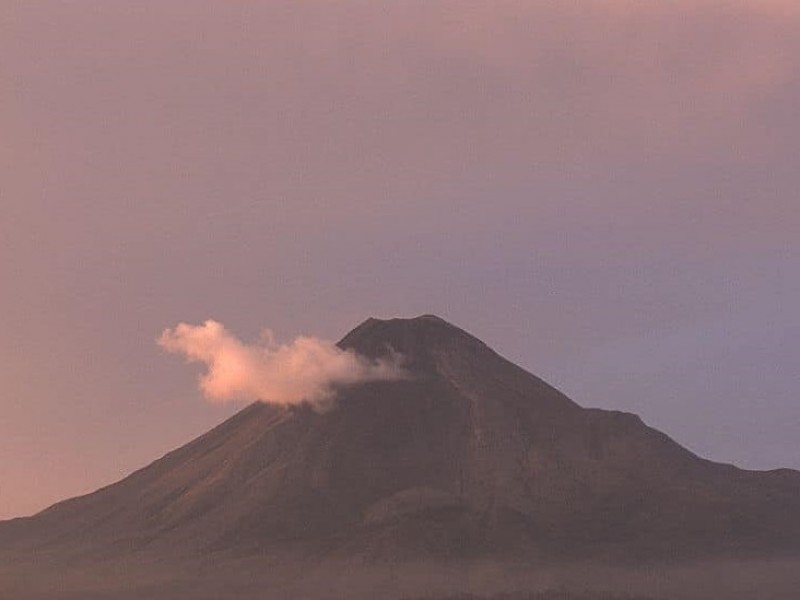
(606,192)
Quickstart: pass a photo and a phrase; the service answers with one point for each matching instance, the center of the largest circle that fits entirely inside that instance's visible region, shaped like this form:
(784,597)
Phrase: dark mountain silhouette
(470,456)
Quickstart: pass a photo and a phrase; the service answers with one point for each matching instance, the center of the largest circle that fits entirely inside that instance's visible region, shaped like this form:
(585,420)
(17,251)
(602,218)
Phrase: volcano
(469,457)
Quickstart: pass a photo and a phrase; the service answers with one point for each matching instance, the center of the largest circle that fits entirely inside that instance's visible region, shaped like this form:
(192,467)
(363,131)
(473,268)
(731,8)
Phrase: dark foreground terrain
(548,595)
(470,475)
(256,579)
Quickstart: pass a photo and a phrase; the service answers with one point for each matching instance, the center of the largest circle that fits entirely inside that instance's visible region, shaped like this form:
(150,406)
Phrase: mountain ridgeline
(468,457)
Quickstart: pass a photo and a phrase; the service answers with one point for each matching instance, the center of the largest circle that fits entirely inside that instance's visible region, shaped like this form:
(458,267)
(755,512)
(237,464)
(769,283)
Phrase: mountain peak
(416,338)
(418,323)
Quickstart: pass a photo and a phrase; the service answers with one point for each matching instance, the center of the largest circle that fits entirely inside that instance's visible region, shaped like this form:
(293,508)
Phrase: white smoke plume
(306,370)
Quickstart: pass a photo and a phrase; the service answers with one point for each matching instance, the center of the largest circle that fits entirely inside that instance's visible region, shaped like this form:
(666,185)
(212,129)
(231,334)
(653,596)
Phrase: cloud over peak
(308,369)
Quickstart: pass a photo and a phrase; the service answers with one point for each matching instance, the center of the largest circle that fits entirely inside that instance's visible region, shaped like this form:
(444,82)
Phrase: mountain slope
(469,456)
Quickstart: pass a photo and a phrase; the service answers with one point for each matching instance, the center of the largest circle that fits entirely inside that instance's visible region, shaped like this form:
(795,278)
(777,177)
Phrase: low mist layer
(308,369)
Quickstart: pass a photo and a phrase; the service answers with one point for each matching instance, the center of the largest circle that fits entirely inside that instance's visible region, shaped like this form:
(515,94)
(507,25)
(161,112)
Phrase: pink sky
(606,192)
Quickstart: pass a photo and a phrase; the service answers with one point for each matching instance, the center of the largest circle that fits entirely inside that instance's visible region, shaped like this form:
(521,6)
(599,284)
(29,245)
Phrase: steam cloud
(306,370)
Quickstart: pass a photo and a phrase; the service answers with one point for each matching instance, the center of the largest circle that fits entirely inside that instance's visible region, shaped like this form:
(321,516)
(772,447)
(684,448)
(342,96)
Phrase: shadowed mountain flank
(469,456)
